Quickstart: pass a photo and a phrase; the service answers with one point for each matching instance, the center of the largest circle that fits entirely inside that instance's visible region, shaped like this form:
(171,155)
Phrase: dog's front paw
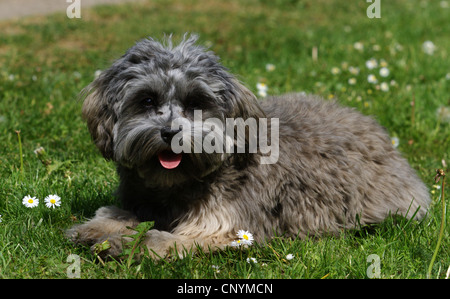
(84,234)
(105,232)
(111,246)
(161,244)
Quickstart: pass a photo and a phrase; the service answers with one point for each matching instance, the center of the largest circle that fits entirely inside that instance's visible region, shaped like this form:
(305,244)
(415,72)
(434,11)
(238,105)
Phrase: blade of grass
(440,174)
(20,153)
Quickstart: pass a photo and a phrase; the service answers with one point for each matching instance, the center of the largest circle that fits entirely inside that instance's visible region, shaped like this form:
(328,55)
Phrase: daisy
(97,74)
(30,202)
(290,256)
(335,70)
(358,46)
(0,218)
(77,75)
(395,141)
(372,79)
(384,72)
(383,63)
(353,70)
(371,63)
(236,243)
(443,113)
(262,89)
(252,260)
(384,86)
(437,186)
(352,81)
(270,67)
(245,236)
(52,200)
(428,47)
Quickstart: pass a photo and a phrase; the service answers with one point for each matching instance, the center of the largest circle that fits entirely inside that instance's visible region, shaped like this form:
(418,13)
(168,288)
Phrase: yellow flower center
(30,201)
(245,237)
(52,201)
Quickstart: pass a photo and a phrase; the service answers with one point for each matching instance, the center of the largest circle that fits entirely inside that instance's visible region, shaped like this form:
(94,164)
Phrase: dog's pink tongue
(169,160)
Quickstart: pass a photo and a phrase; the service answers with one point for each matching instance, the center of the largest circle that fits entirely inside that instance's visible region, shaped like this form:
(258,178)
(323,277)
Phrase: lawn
(395,68)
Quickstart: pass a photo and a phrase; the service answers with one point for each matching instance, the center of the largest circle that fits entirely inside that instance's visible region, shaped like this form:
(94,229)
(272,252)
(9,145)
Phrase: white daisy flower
(395,141)
(384,86)
(443,113)
(372,79)
(290,256)
(262,89)
(428,47)
(358,46)
(270,67)
(30,202)
(77,75)
(354,70)
(0,218)
(97,74)
(352,81)
(252,260)
(384,72)
(236,243)
(371,63)
(383,63)
(335,70)
(52,200)
(245,236)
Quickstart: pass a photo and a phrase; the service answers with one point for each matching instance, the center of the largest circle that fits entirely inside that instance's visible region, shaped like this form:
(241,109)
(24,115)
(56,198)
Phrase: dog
(335,169)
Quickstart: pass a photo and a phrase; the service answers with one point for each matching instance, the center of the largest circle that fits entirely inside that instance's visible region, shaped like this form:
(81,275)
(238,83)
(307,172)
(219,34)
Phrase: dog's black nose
(167,134)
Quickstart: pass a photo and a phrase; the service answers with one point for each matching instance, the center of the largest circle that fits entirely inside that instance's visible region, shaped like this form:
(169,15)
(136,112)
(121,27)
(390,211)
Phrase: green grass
(46,61)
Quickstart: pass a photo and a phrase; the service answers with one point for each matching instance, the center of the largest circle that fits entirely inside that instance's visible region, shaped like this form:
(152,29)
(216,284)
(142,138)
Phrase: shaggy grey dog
(336,169)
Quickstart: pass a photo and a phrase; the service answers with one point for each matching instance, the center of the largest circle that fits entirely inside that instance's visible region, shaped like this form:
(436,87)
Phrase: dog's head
(130,109)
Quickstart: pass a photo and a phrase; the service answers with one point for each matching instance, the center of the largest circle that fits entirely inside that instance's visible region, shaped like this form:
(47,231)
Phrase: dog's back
(340,167)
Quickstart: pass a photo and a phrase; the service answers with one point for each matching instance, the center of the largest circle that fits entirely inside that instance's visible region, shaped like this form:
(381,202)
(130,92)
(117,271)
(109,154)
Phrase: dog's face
(130,109)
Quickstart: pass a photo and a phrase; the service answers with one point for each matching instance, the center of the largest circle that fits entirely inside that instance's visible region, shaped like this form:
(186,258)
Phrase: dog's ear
(243,102)
(100,119)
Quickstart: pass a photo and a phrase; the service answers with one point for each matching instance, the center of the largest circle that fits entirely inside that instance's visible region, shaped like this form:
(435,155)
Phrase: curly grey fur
(336,167)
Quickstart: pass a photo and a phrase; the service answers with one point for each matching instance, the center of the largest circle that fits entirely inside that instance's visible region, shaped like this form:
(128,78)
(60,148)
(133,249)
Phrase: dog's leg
(109,224)
(162,243)
(112,224)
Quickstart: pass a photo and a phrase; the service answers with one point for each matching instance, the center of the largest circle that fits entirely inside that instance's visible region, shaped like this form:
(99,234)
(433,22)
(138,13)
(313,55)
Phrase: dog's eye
(197,103)
(148,102)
